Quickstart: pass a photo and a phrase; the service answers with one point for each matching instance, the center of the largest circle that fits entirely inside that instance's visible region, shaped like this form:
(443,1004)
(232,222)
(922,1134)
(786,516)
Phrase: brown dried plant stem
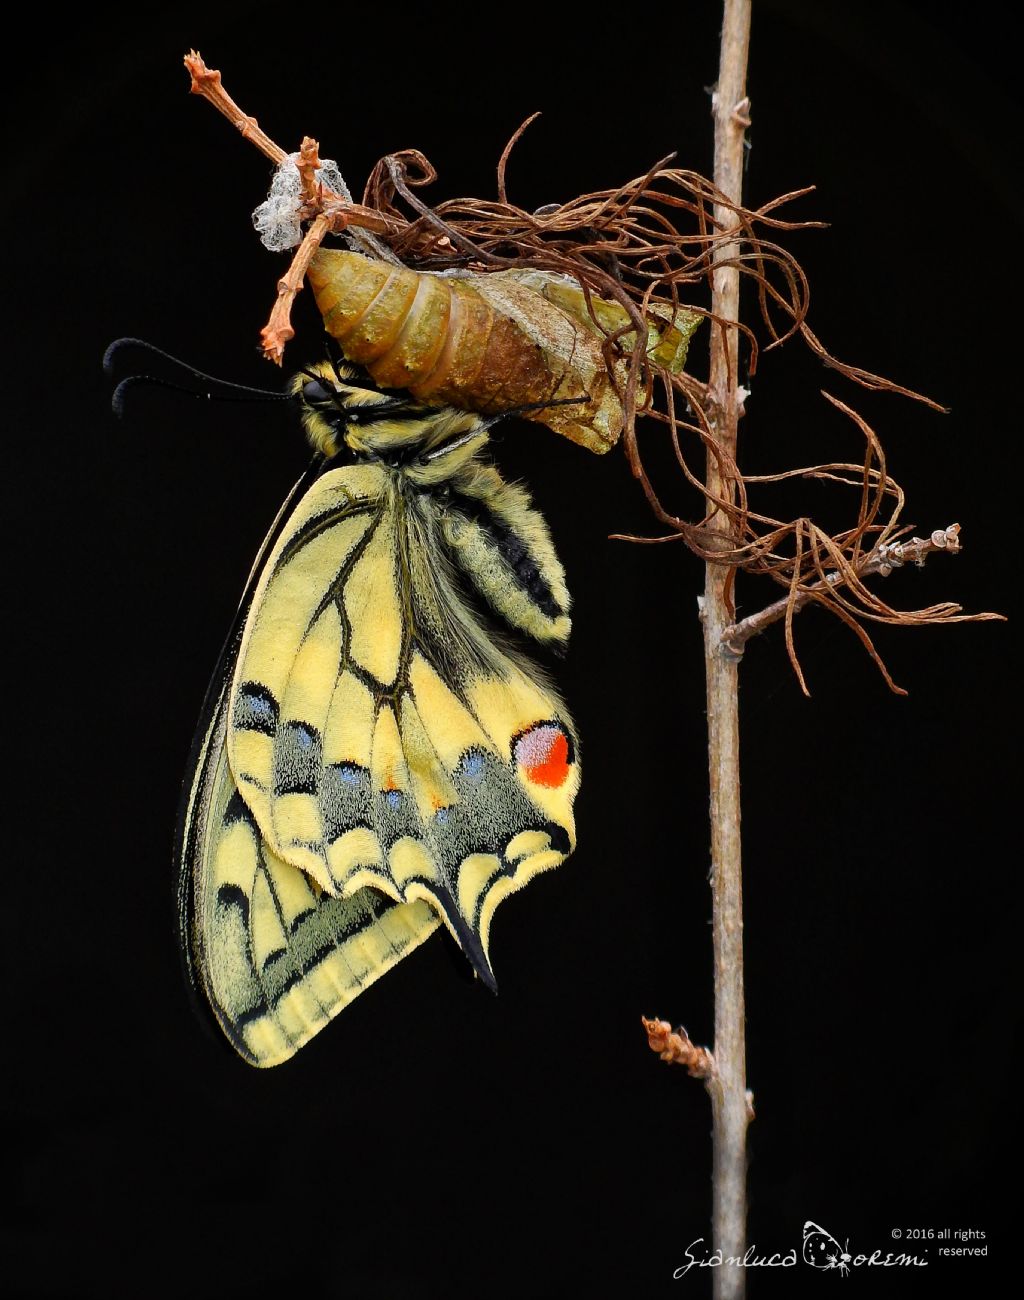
(727,1086)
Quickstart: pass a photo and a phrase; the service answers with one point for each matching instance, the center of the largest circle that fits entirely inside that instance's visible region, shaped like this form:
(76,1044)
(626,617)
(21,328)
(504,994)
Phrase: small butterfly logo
(821,1250)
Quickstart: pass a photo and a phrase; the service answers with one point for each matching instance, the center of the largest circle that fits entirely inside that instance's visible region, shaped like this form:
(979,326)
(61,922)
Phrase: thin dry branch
(278,329)
(723,488)
(208,83)
(881,561)
(329,212)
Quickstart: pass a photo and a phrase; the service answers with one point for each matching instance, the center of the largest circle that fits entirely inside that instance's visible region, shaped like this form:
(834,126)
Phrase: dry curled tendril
(648,245)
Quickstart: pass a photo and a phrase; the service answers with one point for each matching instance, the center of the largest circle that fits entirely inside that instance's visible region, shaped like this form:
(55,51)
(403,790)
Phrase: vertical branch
(728,1085)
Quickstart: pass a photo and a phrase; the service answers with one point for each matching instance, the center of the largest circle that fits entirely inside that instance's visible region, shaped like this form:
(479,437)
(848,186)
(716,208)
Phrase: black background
(436,1141)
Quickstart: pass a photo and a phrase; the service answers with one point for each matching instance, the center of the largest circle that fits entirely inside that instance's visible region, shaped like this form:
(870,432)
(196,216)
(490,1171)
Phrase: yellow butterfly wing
(373,761)
(271,954)
(378,738)
(275,957)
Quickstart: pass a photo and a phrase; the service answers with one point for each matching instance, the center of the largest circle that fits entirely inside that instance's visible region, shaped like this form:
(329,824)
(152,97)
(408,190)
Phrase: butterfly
(821,1250)
(374,758)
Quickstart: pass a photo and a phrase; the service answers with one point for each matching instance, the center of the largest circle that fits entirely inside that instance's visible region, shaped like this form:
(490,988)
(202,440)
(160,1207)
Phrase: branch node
(947,539)
(308,165)
(675,1047)
(741,113)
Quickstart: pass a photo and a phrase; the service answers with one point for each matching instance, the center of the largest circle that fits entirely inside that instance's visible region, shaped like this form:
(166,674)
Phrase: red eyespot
(544,753)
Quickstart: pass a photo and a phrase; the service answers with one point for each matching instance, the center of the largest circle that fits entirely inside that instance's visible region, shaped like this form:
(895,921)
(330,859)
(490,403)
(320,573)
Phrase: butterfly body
(375,760)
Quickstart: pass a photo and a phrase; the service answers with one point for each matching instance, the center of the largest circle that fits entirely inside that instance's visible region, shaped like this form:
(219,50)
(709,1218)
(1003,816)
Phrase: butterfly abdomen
(504,548)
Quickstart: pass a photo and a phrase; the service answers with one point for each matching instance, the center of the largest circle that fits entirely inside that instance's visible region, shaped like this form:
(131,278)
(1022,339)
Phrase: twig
(343,213)
(207,82)
(278,329)
(881,561)
(331,212)
(727,1086)
(308,165)
(674,1046)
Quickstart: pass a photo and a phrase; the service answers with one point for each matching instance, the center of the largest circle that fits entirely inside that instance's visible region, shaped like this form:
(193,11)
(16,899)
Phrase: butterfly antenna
(229,392)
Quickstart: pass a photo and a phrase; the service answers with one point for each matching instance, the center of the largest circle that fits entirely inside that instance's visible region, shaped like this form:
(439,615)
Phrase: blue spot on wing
(345,797)
(472,764)
(298,758)
(256,709)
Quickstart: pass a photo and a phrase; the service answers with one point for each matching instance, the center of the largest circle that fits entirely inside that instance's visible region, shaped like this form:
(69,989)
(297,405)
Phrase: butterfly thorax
(447,503)
(341,413)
